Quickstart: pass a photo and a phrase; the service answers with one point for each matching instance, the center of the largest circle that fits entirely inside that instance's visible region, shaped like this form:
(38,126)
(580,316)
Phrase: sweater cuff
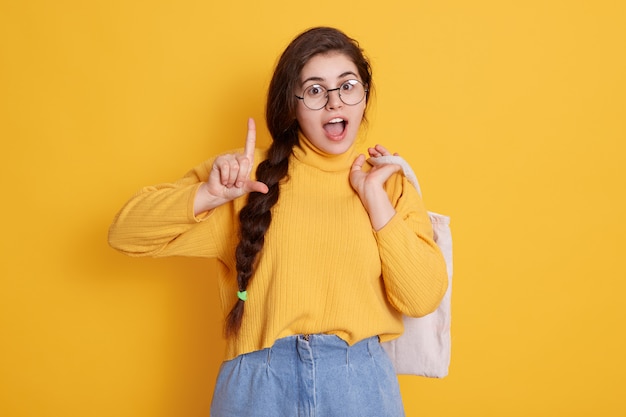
(389,229)
(190,207)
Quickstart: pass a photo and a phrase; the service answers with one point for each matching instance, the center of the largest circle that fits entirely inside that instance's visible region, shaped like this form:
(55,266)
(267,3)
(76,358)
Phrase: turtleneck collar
(309,154)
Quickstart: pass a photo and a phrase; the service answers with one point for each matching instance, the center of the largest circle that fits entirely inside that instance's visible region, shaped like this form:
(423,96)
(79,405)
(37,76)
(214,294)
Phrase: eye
(315,90)
(348,85)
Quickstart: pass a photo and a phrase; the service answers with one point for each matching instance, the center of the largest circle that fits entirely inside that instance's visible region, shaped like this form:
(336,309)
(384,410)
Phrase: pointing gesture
(230,176)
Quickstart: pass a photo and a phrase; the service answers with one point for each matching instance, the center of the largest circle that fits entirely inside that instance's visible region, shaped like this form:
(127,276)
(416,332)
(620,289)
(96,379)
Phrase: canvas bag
(424,347)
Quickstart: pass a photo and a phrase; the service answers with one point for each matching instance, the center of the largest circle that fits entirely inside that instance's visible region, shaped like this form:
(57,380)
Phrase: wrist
(378,207)
(204,200)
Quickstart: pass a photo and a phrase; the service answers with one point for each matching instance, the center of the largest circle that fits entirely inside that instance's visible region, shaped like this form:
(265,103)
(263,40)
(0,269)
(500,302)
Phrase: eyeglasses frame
(328,91)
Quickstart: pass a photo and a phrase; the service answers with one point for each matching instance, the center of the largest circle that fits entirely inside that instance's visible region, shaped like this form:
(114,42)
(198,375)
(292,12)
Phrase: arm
(413,267)
(152,220)
(165,219)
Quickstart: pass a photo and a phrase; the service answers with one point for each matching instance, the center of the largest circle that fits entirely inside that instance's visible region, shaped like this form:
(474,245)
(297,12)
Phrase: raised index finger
(250,141)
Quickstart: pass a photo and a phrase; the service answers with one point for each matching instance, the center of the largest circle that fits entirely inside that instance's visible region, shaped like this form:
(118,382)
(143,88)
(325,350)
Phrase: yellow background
(513,114)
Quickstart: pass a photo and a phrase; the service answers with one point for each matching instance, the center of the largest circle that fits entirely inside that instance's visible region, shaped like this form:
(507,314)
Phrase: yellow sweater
(323,268)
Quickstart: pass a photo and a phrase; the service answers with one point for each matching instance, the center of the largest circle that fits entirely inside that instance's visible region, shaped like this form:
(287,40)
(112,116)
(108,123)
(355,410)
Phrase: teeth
(336,120)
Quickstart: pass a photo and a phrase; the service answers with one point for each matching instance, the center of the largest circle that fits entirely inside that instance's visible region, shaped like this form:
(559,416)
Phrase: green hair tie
(243,295)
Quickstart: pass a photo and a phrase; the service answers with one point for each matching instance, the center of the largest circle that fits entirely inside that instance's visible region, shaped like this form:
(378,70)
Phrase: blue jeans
(316,375)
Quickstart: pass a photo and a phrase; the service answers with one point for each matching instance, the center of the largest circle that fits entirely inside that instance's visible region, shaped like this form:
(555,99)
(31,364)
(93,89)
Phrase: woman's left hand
(369,185)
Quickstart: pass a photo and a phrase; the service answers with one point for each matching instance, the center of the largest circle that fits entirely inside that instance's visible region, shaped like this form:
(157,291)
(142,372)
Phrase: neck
(309,154)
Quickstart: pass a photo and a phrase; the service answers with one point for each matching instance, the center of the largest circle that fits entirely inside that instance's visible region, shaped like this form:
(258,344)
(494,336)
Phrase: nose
(334,100)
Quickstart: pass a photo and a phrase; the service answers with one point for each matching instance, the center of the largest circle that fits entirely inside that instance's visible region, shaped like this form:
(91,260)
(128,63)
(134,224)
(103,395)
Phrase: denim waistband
(322,347)
(309,376)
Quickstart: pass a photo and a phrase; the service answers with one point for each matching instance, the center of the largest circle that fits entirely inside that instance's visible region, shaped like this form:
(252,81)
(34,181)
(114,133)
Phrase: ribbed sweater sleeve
(413,267)
(159,221)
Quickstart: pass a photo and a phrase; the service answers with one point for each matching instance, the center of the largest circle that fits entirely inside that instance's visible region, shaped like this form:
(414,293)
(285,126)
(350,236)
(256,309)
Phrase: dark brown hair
(280,115)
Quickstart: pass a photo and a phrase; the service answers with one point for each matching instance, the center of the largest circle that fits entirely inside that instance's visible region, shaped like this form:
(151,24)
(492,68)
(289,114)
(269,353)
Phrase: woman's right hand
(230,177)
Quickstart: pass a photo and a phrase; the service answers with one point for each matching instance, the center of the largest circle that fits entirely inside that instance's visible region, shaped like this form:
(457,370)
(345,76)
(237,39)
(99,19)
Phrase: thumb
(357,165)
(255,186)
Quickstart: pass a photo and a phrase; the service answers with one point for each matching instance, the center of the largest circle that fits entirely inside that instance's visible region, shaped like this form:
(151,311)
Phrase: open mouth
(335,127)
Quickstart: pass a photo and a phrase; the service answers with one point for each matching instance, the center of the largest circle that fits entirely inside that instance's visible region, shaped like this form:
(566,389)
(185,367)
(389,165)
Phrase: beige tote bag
(424,347)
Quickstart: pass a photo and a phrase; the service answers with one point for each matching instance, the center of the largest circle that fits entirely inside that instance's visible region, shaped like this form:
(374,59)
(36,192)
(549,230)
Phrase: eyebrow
(320,79)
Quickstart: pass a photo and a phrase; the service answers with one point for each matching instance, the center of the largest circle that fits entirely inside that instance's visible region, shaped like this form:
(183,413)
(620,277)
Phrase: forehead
(328,67)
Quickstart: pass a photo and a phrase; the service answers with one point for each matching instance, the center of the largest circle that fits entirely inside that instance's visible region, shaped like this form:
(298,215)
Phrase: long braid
(255,219)
(280,115)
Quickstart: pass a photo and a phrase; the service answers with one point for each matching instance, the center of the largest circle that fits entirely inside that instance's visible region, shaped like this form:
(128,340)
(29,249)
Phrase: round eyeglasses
(351,92)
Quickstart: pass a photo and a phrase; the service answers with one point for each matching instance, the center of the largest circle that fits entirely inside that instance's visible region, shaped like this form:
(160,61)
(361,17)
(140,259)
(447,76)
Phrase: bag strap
(398,160)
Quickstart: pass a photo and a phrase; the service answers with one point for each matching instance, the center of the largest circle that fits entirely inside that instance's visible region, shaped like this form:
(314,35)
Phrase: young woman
(319,254)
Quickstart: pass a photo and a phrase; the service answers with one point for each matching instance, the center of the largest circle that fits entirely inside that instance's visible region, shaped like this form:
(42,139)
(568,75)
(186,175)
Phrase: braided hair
(280,114)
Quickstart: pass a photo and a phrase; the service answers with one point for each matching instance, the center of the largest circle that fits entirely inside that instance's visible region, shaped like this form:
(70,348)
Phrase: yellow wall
(512,112)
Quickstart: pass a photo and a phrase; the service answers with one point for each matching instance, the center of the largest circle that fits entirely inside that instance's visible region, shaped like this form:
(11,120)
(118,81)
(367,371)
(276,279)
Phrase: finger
(378,151)
(244,170)
(382,150)
(373,152)
(357,165)
(222,166)
(387,170)
(258,186)
(250,141)
(233,172)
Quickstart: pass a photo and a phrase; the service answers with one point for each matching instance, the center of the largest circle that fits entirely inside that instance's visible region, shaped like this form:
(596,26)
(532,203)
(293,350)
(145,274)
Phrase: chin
(337,148)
